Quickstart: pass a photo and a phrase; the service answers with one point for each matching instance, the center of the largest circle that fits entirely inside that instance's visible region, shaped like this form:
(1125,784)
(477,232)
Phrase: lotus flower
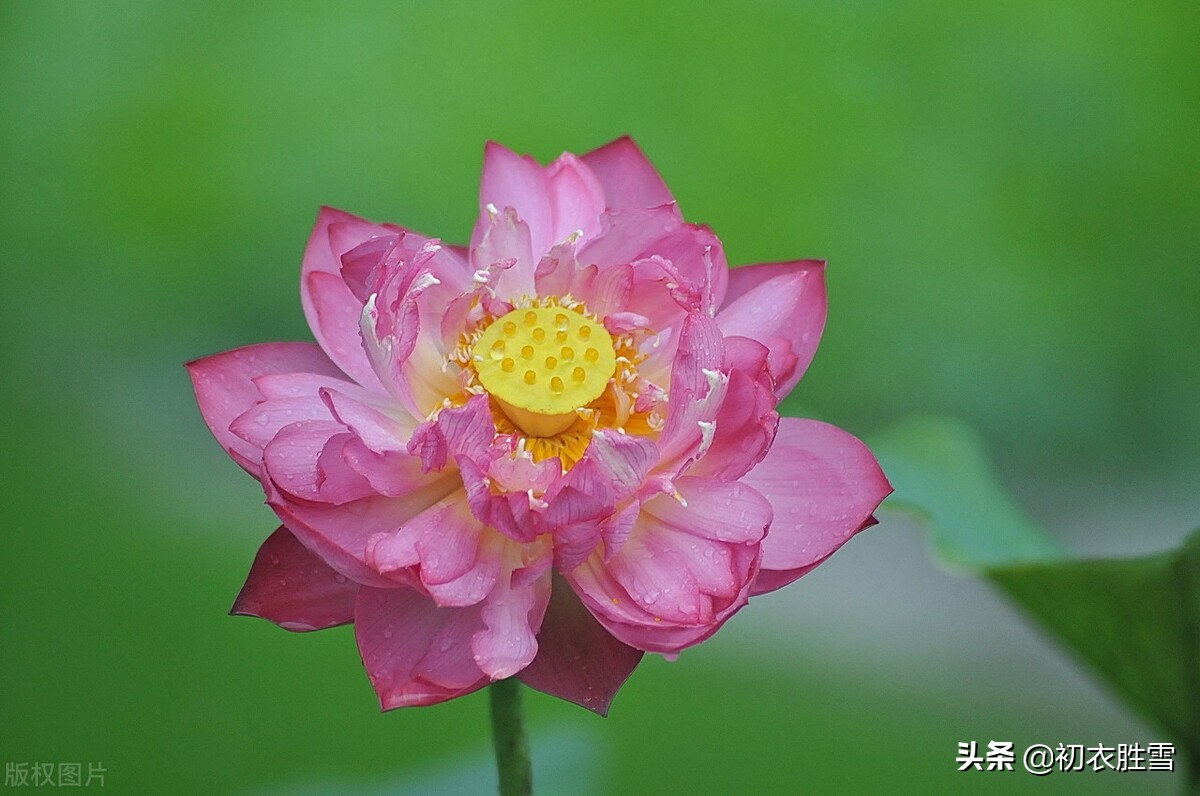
(541,455)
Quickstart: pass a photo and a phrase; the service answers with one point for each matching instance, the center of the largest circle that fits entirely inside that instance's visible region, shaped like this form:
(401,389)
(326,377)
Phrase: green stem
(508,733)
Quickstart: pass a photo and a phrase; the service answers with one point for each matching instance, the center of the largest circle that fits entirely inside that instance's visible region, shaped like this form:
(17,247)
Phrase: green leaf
(1135,622)
(941,474)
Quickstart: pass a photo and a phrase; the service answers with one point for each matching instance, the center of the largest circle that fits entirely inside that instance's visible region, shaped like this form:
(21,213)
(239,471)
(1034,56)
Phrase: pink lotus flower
(541,455)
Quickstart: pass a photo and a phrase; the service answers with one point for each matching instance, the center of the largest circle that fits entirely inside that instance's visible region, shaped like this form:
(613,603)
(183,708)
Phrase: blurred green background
(1006,192)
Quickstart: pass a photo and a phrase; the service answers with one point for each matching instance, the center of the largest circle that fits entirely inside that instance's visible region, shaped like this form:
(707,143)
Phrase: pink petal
(745,425)
(683,571)
(456,558)
(769,580)
(697,389)
(292,587)
(448,547)
(506,241)
(577,659)
(339,534)
(723,511)
(611,470)
(698,256)
(512,616)
(510,180)
(293,457)
(391,473)
(556,271)
(628,179)
(576,198)
(416,653)
(823,484)
(378,430)
(401,330)
(224,386)
(466,431)
(329,305)
(259,424)
(305,385)
(628,235)
(781,305)
(511,514)
(365,261)
(609,292)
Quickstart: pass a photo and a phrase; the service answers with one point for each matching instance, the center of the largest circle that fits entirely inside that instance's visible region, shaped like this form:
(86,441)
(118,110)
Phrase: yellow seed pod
(544,362)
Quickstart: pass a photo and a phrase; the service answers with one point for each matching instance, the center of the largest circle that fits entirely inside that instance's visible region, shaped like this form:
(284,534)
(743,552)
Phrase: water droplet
(562,321)
(498,349)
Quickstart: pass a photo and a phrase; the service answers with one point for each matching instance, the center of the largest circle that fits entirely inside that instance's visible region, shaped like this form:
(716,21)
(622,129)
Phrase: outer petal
(783,306)
(329,305)
(224,386)
(578,660)
(628,178)
(416,653)
(292,587)
(823,485)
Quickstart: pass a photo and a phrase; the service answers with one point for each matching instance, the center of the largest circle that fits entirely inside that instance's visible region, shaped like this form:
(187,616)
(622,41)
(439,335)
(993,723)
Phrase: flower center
(543,363)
